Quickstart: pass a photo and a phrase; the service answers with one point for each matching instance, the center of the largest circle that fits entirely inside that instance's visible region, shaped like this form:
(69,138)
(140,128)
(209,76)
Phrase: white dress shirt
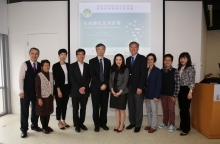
(65,73)
(81,66)
(22,72)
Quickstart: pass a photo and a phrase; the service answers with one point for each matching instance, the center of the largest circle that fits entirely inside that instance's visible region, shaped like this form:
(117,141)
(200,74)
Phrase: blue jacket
(153,83)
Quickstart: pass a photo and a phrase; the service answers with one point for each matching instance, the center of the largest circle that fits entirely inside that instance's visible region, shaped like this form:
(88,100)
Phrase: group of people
(128,81)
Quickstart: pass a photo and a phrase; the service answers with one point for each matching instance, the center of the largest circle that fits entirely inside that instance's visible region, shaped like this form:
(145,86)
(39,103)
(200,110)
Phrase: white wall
(184,31)
(31,18)
(3,17)
(213,52)
(204,47)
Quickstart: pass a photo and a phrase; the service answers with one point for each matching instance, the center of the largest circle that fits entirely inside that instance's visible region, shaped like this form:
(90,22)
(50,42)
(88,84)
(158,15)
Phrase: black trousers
(76,101)
(62,103)
(100,107)
(45,121)
(24,105)
(184,106)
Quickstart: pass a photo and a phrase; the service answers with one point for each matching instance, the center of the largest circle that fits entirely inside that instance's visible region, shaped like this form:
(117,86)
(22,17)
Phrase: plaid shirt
(177,81)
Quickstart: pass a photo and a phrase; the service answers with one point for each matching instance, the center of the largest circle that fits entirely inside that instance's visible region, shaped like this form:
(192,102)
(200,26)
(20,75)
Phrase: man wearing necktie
(28,72)
(100,73)
(137,75)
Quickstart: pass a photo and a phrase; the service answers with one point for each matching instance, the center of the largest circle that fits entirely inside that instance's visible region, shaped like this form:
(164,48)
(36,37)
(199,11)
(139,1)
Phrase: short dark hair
(168,55)
(44,61)
(189,62)
(134,42)
(80,50)
(34,48)
(100,44)
(62,51)
(153,55)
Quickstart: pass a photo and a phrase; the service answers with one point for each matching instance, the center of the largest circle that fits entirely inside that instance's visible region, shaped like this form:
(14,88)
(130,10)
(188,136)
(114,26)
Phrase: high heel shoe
(118,131)
(61,126)
(183,134)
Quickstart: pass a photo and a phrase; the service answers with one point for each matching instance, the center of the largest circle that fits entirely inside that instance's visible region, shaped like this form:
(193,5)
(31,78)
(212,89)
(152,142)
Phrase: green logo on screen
(87,13)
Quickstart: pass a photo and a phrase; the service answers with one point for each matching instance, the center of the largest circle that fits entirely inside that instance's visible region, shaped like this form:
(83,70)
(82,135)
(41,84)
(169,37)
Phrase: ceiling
(215,14)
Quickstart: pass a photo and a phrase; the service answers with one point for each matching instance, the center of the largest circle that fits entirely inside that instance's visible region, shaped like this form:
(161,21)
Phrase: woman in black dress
(118,85)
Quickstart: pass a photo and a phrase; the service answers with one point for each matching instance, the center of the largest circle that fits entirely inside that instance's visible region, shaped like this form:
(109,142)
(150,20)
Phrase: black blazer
(77,80)
(95,74)
(59,77)
(138,73)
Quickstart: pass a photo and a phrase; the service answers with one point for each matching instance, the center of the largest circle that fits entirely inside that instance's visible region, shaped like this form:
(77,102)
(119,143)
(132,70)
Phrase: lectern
(205,109)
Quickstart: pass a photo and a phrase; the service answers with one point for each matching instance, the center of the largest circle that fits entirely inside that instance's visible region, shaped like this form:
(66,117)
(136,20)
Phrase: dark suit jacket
(77,80)
(95,74)
(59,77)
(153,83)
(137,74)
(122,81)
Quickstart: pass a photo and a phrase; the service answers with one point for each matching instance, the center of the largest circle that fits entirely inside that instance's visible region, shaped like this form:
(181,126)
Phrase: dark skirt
(47,107)
(118,102)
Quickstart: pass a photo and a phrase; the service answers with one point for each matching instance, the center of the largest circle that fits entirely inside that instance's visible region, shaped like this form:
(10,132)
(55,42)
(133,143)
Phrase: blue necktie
(132,61)
(101,71)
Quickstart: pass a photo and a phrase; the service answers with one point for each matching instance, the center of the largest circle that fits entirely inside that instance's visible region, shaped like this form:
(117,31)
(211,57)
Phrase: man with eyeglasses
(169,92)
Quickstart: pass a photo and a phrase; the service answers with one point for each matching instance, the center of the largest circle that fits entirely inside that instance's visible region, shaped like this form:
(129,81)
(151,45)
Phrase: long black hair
(115,66)
(189,62)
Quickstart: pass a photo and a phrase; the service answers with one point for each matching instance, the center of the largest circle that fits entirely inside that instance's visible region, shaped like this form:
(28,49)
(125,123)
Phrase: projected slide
(115,25)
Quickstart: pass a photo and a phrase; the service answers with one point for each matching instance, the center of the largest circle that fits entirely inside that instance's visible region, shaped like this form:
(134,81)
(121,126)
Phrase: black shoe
(96,129)
(50,129)
(130,126)
(105,127)
(38,129)
(77,129)
(23,134)
(183,134)
(45,130)
(179,129)
(83,127)
(61,126)
(137,129)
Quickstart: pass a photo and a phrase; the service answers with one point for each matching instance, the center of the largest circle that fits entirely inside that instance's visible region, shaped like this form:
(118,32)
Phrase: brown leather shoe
(151,130)
(147,128)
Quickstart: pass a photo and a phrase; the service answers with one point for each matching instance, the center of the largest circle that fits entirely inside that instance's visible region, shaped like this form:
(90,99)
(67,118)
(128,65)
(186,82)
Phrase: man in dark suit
(28,72)
(80,80)
(100,73)
(137,75)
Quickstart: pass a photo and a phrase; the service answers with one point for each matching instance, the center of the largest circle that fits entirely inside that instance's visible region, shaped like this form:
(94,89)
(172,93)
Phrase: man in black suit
(100,73)
(80,80)
(138,69)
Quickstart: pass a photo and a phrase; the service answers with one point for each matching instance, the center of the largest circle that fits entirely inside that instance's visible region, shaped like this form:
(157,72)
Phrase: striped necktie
(101,71)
